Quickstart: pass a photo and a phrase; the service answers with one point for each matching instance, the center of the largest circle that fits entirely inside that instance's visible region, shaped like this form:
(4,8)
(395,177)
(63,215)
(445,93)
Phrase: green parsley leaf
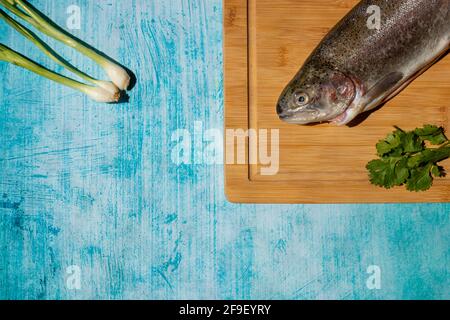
(435,135)
(401,172)
(378,170)
(389,172)
(412,143)
(405,159)
(437,139)
(438,171)
(421,179)
(428,130)
(389,144)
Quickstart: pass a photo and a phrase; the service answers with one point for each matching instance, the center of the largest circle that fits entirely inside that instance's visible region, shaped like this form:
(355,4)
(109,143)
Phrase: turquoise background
(93,185)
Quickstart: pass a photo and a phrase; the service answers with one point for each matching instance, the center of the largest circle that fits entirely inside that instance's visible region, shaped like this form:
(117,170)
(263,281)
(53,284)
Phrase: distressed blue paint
(93,185)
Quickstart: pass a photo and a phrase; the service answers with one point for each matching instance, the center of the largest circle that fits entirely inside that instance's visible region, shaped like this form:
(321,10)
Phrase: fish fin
(417,74)
(376,95)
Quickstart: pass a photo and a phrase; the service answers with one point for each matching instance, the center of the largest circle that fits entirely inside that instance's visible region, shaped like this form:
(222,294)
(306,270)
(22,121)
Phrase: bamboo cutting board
(266,42)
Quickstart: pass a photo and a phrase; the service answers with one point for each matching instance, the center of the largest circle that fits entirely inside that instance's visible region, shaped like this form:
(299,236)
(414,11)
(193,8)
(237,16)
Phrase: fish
(360,65)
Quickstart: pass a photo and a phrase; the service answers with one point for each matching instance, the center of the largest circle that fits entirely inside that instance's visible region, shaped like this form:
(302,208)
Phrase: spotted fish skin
(380,62)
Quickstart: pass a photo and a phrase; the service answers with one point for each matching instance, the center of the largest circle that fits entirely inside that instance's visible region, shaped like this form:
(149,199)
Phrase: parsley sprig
(410,158)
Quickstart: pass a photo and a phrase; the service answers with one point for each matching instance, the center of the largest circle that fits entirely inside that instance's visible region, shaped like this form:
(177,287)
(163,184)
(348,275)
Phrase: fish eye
(301,98)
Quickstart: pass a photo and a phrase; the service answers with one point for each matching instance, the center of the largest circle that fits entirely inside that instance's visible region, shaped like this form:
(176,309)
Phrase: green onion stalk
(27,33)
(21,8)
(96,93)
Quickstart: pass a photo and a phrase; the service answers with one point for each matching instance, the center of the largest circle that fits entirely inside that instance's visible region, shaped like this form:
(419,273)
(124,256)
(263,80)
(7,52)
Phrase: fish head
(316,95)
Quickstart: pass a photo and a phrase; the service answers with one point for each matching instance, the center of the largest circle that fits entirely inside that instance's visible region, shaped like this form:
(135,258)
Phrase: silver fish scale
(409,30)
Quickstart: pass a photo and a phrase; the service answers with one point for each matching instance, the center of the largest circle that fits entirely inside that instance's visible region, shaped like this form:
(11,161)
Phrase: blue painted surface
(93,185)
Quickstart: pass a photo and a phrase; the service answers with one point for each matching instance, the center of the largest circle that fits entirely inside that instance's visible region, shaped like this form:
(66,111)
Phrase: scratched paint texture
(93,185)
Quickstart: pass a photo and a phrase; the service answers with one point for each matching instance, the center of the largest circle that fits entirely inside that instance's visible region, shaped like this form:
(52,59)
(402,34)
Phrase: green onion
(107,85)
(118,75)
(96,93)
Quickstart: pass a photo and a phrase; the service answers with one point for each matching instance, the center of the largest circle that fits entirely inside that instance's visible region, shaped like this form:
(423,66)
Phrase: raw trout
(358,67)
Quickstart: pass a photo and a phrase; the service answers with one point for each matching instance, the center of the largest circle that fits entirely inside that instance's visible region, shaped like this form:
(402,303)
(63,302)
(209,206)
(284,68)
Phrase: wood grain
(265,44)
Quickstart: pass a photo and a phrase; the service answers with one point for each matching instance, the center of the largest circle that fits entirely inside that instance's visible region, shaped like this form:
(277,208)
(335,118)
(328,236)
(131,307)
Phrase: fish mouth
(307,116)
(312,115)
(292,119)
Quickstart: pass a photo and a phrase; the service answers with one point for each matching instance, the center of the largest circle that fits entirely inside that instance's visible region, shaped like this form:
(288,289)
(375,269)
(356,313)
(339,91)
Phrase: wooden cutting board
(266,42)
